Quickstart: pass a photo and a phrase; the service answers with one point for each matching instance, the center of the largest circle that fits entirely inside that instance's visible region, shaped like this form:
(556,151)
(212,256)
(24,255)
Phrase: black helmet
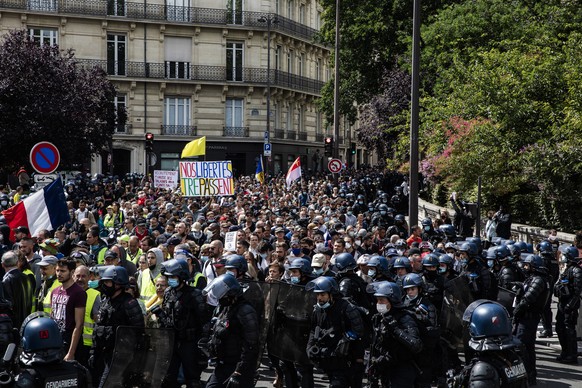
(323,284)
(535,262)
(383,208)
(449,231)
(399,218)
(388,290)
(487,319)
(446,259)
(470,248)
(110,253)
(223,286)
(570,254)
(522,246)
(345,262)
(41,339)
(303,265)
(237,262)
(176,267)
(116,274)
(502,253)
(545,247)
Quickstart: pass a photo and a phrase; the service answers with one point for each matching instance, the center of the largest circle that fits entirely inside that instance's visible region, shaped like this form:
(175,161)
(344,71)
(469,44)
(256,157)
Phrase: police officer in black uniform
(42,359)
(496,363)
(567,289)
(434,281)
(336,328)
(530,302)
(478,276)
(184,310)
(398,227)
(546,251)
(118,308)
(395,339)
(234,339)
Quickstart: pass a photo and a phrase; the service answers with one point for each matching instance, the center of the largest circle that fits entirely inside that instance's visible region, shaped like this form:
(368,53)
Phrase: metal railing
(179,130)
(236,131)
(162,12)
(290,135)
(301,135)
(123,129)
(319,137)
(250,75)
(279,133)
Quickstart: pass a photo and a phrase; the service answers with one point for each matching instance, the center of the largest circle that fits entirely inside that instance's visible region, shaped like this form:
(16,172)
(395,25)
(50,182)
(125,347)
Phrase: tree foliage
(46,96)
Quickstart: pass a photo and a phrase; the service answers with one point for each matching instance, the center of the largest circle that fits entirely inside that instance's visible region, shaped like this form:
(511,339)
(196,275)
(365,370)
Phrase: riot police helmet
(545,247)
(449,231)
(470,248)
(116,274)
(176,267)
(399,218)
(402,262)
(502,253)
(379,262)
(536,263)
(223,286)
(345,262)
(388,290)
(323,284)
(570,254)
(41,339)
(522,246)
(426,224)
(383,209)
(412,280)
(401,244)
(488,320)
(430,260)
(237,262)
(303,265)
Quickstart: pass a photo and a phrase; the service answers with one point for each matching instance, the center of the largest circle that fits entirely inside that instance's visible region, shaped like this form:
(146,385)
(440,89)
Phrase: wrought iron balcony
(249,75)
(123,129)
(301,135)
(291,135)
(279,133)
(179,130)
(319,137)
(236,131)
(161,12)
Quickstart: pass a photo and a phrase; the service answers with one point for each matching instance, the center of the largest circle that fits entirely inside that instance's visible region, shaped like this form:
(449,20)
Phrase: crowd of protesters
(354,232)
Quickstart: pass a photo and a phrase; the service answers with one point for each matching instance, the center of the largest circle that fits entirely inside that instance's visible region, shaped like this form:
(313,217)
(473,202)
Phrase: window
(178,53)
(43,5)
(277,7)
(235,12)
(318,67)
(300,64)
(290,9)
(234,112)
(278,58)
(290,58)
(178,10)
(115,54)
(318,123)
(301,120)
(44,36)
(277,115)
(169,161)
(289,126)
(302,14)
(234,61)
(116,7)
(176,114)
(119,101)
(318,20)
(277,164)
(290,160)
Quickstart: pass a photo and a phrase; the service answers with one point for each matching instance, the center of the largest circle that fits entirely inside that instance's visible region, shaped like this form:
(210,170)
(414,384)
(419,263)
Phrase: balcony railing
(319,137)
(123,129)
(279,133)
(179,130)
(162,12)
(250,75)
(291,135)
(236,131)
(301,135)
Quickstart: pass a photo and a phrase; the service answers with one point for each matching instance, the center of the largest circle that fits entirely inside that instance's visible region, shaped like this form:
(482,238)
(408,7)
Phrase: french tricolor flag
(45,209)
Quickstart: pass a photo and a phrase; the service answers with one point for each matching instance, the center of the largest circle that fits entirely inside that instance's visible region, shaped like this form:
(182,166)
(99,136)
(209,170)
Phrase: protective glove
(342,348)
(233,381)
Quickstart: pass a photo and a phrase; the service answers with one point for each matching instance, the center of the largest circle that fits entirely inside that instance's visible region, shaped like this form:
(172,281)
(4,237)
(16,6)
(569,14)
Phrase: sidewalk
(553,343)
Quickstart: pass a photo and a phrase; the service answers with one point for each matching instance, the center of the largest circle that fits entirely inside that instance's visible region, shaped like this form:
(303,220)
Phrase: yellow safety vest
(46,302)
(30,290)
(101,256)
(148,286)
(194,281)
(89,322)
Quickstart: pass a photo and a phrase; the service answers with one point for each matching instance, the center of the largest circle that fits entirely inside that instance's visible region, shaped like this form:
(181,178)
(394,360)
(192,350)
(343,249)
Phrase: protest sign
(165,179)
(201,179)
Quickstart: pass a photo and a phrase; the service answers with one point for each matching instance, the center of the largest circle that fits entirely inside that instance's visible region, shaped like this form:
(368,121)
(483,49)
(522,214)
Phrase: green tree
(46,96)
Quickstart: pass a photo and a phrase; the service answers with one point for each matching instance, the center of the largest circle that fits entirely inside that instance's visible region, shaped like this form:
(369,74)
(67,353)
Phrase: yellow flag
(195,148)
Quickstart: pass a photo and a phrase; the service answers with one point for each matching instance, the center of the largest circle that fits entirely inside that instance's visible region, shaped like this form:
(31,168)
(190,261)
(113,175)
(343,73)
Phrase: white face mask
(348,245)
(382,308)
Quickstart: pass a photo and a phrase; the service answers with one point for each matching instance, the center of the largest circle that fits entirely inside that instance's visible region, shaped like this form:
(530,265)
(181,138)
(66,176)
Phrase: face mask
(383,213)
(318,271)
(93,283)
(371,273)
(382,308)
(108,291)
(427,228)
(464,261)
(323,306)
(204,259)
(348,245)
(296,251)
(326,219)
(410,297)
(490,263)
(295,279)
(263,256)
(4,203)
(563,259)
(350,213)
(358,243)
(361,202)
(320,246)
(442,269)
(209,235)
(352,234)
(370,209)
(305,251)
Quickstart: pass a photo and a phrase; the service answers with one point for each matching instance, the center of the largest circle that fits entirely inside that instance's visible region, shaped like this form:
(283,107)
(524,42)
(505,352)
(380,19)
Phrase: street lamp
(414,113)
(270,20)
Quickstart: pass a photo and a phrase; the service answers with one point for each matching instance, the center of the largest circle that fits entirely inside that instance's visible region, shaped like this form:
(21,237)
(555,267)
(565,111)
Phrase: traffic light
(328,150)
(149,137)
(353,148)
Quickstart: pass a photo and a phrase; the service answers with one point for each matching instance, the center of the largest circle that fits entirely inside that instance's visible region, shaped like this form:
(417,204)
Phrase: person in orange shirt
(415,236)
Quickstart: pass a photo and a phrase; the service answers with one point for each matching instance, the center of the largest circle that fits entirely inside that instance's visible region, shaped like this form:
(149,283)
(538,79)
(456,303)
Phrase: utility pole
(269,19)
(336,86)
(414,113)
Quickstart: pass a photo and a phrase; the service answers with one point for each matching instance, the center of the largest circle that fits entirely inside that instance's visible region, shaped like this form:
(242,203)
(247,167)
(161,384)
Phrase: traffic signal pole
(336,85)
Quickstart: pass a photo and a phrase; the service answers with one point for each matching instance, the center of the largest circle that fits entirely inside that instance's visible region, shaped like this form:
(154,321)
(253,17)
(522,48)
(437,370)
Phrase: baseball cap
(318,260)
(174,241)
(48,260)
(49,245)
(279,229)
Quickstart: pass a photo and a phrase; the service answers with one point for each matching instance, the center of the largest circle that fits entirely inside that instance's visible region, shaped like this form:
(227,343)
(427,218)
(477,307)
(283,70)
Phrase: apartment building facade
(190,68)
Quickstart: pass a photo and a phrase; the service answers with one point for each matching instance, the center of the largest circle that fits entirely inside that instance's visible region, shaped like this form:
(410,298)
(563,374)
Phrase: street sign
(45,178)
(44,157)
(335,165)
(267,149)
(266,137)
